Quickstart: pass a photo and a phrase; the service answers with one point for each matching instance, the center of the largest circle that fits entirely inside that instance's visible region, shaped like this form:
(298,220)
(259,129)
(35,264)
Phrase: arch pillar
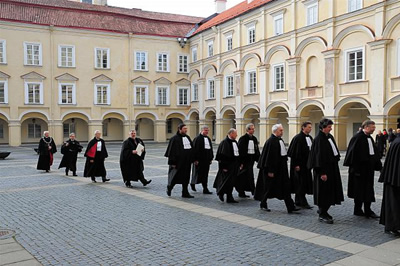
(127,128)
(294,125)
(94,125)
(160,129)
(331,75)
(240,125)
(14,133)
(57,131)
(191,125)
(380,121)
(201,83)
(239,85)
(293,81)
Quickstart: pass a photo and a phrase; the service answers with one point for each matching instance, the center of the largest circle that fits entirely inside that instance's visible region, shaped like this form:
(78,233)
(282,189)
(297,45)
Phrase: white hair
(96,131)
(132,130)
(72,133)
(248,126)
(44,132)
(231,131)
(275,127)
(204,127)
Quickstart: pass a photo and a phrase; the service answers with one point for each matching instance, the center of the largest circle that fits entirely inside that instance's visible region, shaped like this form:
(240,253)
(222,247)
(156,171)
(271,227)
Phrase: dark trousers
(103,178)
(358,206)
(288,201)
(67,170)
(323,209)
(300,199)
(185,185)
(141,179)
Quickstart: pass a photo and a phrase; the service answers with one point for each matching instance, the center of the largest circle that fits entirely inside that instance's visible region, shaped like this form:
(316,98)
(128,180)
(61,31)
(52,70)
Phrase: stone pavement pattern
(68,220)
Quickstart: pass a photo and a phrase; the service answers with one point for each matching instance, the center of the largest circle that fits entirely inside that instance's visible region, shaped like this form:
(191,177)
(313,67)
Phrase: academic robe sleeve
(243,145)
(172,151)
(294,151)
(224,154)
(53,146)
(269,156)
(105,153)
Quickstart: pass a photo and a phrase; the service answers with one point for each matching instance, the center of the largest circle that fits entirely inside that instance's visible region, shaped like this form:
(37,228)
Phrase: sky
(199,8)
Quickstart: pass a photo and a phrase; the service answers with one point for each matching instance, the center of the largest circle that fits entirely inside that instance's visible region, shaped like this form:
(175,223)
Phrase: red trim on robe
(92,151)
(51,158)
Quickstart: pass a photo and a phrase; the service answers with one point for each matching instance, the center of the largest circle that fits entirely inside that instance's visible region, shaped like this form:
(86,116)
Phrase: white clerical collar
(335,151)
(250,147)
(370,147)
(309,142)
(235,149)
(186,143)
(207,145)
(283,148)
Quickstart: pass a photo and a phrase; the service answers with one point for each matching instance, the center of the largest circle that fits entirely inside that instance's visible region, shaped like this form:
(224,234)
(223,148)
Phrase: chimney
(220,6)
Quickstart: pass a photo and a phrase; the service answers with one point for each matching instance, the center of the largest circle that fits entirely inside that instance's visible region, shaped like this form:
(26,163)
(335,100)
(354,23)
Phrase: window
(105,129)
(68,128)
(183,96)
(278,24)
(34,131)
(33,93)
(183,63)
(251,33)
(252,81)
(67,94)
(141,97)
(210,48)
(312,13)
(162,96)
(1,131)
(354,5)
(33,54)
(102,57)
(195,92)
(169,126)
(279,78)
(102,94)
(3,92)
(194,54)
(3,52)
(87,1)
(162,62)
(66,56)
(211,89)
(141,61)
(229,86)
(355,64)
(229,43)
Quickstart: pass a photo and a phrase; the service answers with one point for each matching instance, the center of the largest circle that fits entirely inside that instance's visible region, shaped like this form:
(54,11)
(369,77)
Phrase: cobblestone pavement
(70,221)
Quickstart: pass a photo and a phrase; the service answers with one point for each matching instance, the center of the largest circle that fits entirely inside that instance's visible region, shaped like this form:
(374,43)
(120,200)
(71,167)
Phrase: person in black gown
(46,151)
(363,159)
(131,163)
(273,178)
(249,152)
(390,177)
(203,155)
(300,175)
(324,160)
(380,142)
(228,166)
(180,159)
(70,150)
(96,153)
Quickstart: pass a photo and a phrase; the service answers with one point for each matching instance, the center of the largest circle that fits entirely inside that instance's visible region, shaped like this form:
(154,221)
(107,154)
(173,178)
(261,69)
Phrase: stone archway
(4,136)
(279,115)
(32,127)
(210,121)
(173,120)
(252,115)
(312,113)
(145,126)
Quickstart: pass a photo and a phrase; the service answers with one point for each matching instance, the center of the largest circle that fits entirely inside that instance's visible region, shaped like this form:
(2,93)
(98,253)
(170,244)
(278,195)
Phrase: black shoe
(358,213)
(243,195)
(221,197)
(147,182)
(94,180)
(169,190)
(128,185)
(393,232)
(231,200)
(193,187)
(371,214)
(206,191)
(74,174)
(187,196)
(294,209)
(325,219)
(264,207)
(307,206)
(47,171)
(106,180)
(66,173)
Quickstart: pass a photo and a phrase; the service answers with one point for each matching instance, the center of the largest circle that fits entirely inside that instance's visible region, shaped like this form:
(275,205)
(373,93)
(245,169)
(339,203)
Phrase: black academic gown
(301,181)
(70,153)
(131,164)
(97,168)
(181,158)
(224,181)
(271,161)
(362,167)
(245,179)
(204,157)
(380,141)
(46,154)
(390,177)
(323,161)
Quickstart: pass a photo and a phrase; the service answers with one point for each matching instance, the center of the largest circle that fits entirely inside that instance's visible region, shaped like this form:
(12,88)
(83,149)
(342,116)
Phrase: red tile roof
(231,13)
(63,13)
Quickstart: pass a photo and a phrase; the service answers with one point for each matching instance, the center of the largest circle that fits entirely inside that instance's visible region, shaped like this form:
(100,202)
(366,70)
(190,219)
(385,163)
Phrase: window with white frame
(355,64)
(210,89)
(252,81)
(105,129)
(102,94)
(3,92)
(278,24)
(195,92)
(354,5)
(33,54)
(34,130)
(68,128)
(194,54)
(229,43)
(162,95)
(141,95)
(162,62)
(3,52)
(229,86)
(279,77)
(67,93)
(312,13)
(210,48)
(33,93)
(183,63)
(183,96)
(66,56)
(102,58)
(251,34)
(141,61)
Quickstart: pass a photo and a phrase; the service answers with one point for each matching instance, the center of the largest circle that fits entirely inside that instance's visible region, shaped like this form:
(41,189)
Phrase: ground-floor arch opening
(313,114)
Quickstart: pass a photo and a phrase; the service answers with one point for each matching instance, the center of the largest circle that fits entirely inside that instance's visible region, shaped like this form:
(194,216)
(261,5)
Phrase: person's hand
(196,163)
(297,168)
(225,170)
(270,174)
(324,177)
(49,148)
(173,166)
(241,167)
(134,152)
(142,150)
(92,161)
(67,144)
